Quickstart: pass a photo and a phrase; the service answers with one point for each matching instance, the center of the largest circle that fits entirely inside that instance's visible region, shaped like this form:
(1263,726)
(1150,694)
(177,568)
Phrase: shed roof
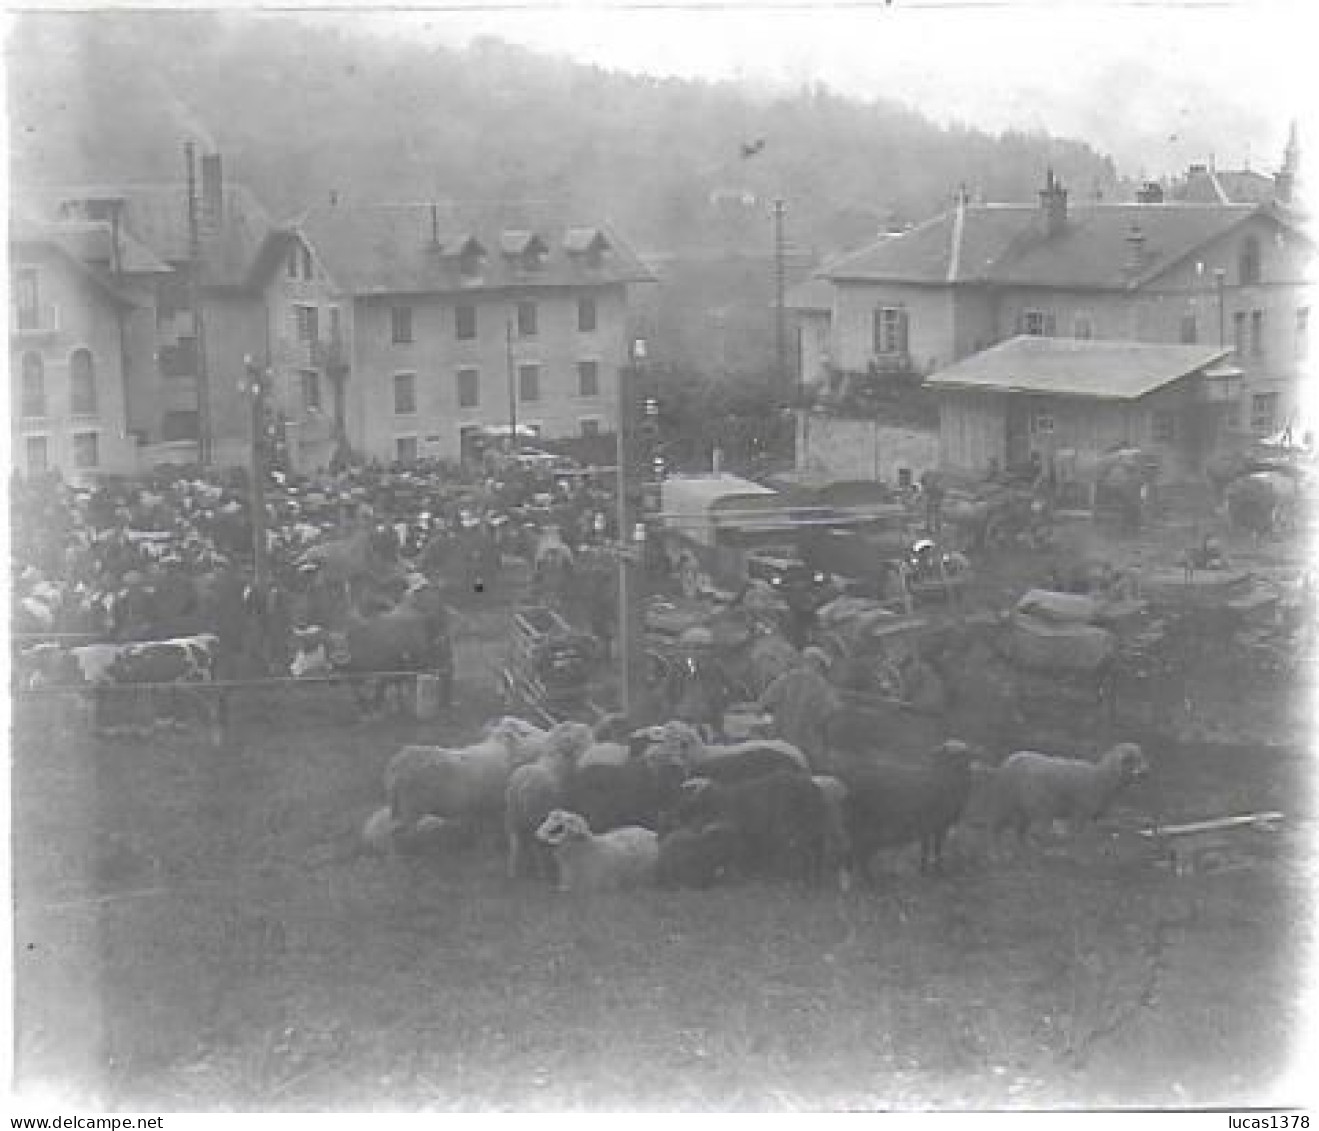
(1072,367)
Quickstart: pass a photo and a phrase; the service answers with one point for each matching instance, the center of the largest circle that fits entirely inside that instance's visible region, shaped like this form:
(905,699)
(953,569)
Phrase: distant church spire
(1285,179)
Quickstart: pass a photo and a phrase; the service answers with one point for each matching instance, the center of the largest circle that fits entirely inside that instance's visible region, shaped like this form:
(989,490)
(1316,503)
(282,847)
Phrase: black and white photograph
(639,556)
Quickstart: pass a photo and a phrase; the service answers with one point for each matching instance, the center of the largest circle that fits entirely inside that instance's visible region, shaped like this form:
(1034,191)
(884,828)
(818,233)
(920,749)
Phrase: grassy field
(195,932)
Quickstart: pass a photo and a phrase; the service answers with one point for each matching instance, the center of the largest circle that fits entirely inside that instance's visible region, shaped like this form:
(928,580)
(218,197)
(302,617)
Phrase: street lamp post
(256,388)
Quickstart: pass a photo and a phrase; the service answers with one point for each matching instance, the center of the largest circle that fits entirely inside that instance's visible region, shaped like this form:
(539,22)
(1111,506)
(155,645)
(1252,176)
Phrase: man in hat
(800,701)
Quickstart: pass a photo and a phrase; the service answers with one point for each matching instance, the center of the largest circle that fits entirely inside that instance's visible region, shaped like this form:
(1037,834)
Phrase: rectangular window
(1257,333)
(1037,323)
(27,298)
(305,319)
(590,426)
(529,382)
(526,319)
(1083,327)
(293,261)
(405,393)
(336,326)
(1263,412)
(586,314)
(469,388)
(1190,330)
(85,450)
(181,425)
(464,318)
(1163,427)
(400,324)
(38,455)
(1239,333)
(405,449)
(1302,344)
(311,390)
(891,330)
(1042,422)
(588,378)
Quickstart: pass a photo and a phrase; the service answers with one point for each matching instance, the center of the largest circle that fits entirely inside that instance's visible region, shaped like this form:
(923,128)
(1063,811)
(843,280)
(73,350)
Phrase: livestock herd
(607,807)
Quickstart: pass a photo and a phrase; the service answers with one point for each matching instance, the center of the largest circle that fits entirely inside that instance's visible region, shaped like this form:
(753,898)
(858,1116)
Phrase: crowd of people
(157,556)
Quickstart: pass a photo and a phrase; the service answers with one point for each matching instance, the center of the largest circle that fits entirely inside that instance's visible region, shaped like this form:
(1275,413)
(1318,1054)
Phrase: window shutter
(902,331)
(878,331)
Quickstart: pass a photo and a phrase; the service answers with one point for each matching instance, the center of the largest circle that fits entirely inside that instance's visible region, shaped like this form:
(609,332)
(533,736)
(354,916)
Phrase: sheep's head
(682,738)
(517,735)
(1130,760)
(561,826)
(568,741)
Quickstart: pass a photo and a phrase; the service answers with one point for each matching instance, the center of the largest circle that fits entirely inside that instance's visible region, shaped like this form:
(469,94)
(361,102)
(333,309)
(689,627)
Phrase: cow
(412,637)
(168,667)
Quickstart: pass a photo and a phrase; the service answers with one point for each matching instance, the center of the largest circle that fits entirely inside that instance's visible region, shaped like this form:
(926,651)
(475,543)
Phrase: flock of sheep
(600,808)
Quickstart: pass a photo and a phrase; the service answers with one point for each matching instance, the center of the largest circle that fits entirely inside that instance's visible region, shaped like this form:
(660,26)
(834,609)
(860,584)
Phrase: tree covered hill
(300,110)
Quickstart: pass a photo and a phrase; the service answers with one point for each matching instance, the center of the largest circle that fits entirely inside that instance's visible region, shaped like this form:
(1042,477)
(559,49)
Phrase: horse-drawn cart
(549,666)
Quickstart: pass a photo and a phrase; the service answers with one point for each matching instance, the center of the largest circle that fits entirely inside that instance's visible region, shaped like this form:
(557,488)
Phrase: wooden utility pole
(512,393)
(195,302)
(780,320)
(629,549)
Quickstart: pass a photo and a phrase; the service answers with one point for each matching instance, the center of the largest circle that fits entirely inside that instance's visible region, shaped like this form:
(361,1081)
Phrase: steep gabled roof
(1009,244)
(1104,370)
(86,249)
(393,249)
(156,214)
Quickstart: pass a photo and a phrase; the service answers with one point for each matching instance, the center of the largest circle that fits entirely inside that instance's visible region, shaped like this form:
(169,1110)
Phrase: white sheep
(1031,788)
(465,784)
(536,789)
(621,858)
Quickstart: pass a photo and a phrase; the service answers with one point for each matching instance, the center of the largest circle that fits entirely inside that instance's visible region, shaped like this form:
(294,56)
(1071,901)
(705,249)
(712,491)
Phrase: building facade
(1237,274)
(391,332)
(70,341)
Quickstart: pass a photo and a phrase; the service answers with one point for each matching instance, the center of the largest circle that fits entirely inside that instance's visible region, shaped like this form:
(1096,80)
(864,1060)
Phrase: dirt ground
(195,929)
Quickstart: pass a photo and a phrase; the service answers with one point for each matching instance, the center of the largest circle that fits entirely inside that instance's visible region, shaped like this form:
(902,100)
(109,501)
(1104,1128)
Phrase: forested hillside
(299,110)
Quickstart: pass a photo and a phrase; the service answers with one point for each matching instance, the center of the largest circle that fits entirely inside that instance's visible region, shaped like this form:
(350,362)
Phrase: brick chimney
(212,210)
(1053,204)
(1135,248)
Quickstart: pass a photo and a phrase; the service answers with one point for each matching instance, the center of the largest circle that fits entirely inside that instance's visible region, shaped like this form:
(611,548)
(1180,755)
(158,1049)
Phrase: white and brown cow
(162,674)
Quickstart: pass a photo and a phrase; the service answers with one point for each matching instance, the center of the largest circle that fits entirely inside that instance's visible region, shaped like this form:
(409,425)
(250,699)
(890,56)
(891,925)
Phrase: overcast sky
(1157,85)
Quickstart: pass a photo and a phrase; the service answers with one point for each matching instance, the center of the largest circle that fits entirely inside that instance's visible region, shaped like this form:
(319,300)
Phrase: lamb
(739,761)
(891,804)
(465,784)
(698,858)
(535,790)
(1030,788)
(781,820)
(621,858)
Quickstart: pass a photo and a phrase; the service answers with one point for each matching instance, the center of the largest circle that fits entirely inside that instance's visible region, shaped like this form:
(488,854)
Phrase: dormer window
(470,255)
(586,246)
(526,248)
